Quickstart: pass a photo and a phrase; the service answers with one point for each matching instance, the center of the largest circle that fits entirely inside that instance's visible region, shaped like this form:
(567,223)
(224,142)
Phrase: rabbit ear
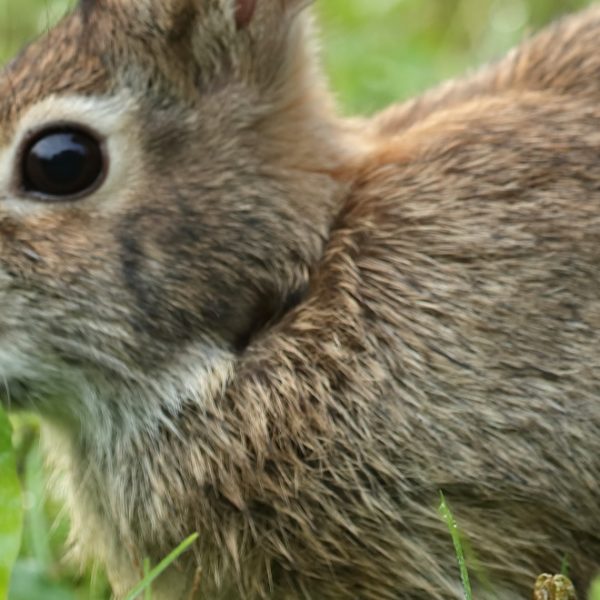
(260,42)
(272,38)
(246,9)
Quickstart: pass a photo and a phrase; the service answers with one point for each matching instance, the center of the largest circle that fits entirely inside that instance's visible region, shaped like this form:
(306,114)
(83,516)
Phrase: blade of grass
(595,591)
(38,530)
(147,569)
(565,567)
(143,585)
(448,517)
(11,508)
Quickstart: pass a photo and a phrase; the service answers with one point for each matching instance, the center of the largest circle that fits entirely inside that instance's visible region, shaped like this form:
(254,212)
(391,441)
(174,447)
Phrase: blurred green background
(376,51)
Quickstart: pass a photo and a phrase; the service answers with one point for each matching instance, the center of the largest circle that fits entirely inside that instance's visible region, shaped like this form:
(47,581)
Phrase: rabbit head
(160,194)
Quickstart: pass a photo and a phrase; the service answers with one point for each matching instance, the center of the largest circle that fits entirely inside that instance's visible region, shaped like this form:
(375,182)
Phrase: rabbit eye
(62,163)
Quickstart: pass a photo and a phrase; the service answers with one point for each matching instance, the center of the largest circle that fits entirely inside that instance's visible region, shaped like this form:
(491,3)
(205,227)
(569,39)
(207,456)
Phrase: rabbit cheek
(164,303)
(51,252)
(20,256)
(185,283)
(156,314)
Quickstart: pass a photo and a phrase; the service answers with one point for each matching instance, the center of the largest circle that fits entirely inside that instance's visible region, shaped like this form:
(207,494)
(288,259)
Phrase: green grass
(40,571)
(379,51)
(376,52)
(595,591)
(152,574)
(448,517)
(11,511)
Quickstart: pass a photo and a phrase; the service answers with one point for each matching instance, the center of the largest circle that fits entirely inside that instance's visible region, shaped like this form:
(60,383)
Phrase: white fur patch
(144,406)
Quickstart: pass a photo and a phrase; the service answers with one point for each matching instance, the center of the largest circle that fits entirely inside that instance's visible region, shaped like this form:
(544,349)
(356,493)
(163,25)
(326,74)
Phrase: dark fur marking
(87,8)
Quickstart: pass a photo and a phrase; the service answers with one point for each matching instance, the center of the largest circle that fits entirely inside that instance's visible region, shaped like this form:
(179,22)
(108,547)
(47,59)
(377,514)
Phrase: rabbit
(241,314)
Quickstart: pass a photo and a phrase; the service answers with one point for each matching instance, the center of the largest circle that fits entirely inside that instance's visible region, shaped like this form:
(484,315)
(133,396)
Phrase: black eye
(62,164)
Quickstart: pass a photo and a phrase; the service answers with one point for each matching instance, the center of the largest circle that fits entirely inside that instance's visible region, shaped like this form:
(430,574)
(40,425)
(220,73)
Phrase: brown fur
(385,310)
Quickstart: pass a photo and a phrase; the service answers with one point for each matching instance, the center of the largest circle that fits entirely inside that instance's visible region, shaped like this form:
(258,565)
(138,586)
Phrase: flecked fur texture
(289,331)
